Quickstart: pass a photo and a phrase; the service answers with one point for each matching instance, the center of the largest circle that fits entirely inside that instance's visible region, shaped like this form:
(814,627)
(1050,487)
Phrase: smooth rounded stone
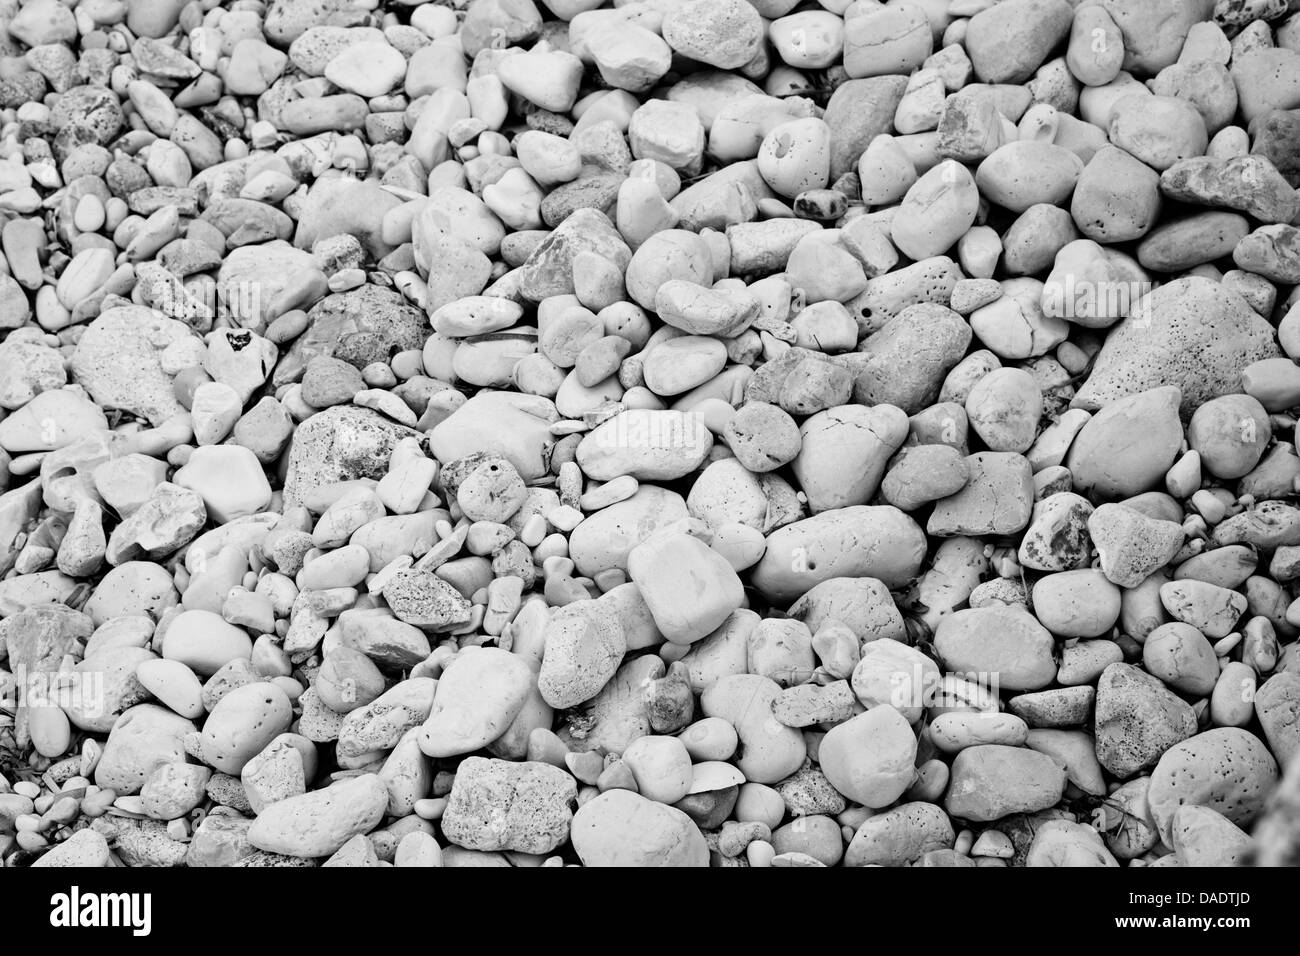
(1265,80)
(1233,697)
(919,474)
(680,364)
(862,605)
(1008,41)
(726,34)
(133,587)
(1226,769)
(620,828)
(547,78)
(998,498)
(243,722)
(689,588)
(954,732)
(503,805)
(1065,843)
(770,751)
(648,444)
(1179,655)
(1207,608)
(1158,130)
(368,69)
(900,836)
(763,437)
(795,156)
(844,452)
(1193,333)
(144,738)
(1204,837)
(228,478)
(606,537)
(999,642)
(1116,198)
(204,642)
(825,271)
(628,56)
(85,848)
(859,111)
(49,421)
(669,132)
(805,553)
(1129,445)
(547,158)
(1192,241)
(118,360)
(992,781)
(892,368)
(886,40)
(1096,50)
(937,210)
(1060,707)
(1023,174)
(491,492)
(585,644)
(318,823)
(870,758)
(1014,326)
(1004,408)
(1074,750)
(329,381)
(673,254)
(512,426)
(478,696)
(340,206)
(815,837)
(890,672)
(174,684)
(810,39)
(1277,705)
(1274,383)
(1131,545)
(661,767)
(1080,603)
(1034,239)
(1230,433)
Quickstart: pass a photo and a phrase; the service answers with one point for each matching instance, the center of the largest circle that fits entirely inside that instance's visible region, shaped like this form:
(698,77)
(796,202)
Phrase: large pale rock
(1193,333)
(503,805)
(862,541)
(477,697)
(118,360)
(318,823)
(624,829)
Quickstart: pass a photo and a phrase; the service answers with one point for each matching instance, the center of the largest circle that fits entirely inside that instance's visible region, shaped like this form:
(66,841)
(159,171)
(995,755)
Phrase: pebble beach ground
(667,433)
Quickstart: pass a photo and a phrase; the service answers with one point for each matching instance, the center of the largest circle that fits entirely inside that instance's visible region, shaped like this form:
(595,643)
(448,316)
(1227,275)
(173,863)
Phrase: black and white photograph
(650,434)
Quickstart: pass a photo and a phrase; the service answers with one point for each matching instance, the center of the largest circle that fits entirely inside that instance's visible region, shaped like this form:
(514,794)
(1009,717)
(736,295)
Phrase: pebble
(703,449)
(1226,769)
(319,823)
